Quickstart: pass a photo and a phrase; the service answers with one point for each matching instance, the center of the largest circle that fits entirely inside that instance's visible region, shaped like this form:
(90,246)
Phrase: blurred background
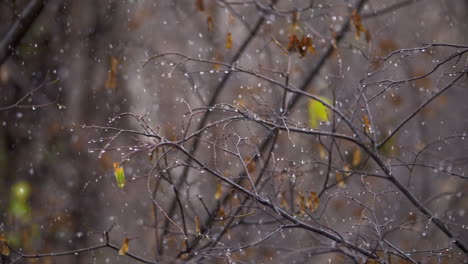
(86,60)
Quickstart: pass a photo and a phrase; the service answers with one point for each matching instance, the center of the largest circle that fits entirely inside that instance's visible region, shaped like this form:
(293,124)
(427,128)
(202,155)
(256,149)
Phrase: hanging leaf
(313,201)
(219,191)
(228,41)
(306,45)
(111,81)
(4,249)
(124,248)
(250,164)
(221,212)
(390,147)
(302,203)
(218,57)
(284,202)
(318,112)
(210,23)
(19,206)
(358,26)
(367,124)
(200,5)
(322,151)
(357,157)
(119,175)
(334,37)
(294,23)
(293,43)
(197,225)
(339,179)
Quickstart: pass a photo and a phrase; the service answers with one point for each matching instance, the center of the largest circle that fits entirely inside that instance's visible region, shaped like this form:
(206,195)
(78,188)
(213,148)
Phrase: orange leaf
(228,41)
(124,248)
(111,81)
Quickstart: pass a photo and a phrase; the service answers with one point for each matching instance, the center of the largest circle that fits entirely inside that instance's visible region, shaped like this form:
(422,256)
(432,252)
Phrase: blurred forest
(233,131)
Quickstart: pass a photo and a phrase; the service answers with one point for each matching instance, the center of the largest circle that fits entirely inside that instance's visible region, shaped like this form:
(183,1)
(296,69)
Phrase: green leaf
(19,208)
(119,175)
(318,112)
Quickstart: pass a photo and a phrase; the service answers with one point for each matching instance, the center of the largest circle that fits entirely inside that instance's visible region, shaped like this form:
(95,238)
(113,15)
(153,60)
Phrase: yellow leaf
(318,112)
(367,124)
(111,82)
(119,175)
(219,191)
(357,157)
(4,249)
(228,41)
(124,248)
(197,225)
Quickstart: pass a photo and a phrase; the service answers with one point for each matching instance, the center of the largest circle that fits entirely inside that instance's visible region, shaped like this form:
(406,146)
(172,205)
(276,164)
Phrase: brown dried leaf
(250,164)
(293,43)
(306,45)
(294,23)
(200,5)
(357,157)
(197,225)
(334,36)
(302,203)
(210,23)
(4,249)
(358,26)
(313,201)
(111,81)
(283,202)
